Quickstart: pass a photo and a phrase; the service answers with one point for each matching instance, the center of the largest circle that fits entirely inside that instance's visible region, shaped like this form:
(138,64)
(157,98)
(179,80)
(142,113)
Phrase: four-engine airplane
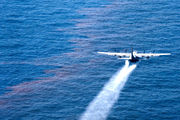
(133,56)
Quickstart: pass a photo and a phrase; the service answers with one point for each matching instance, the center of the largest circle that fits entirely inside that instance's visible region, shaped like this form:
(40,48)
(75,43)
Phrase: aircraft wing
(151,54)
(116,54)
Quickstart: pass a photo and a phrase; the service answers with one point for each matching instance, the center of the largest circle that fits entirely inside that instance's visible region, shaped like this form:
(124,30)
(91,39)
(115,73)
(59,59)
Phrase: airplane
(134,56)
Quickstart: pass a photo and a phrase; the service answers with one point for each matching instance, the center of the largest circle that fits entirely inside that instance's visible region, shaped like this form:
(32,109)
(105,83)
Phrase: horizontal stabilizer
(124,58)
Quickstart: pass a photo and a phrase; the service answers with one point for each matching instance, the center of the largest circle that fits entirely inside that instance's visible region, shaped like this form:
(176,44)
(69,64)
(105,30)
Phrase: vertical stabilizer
(132,56)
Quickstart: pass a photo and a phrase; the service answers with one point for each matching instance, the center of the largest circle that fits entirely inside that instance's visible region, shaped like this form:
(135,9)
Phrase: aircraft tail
(131,56)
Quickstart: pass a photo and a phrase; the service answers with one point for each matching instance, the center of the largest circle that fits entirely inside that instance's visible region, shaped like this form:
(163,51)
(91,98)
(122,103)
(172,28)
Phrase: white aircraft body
(133,56)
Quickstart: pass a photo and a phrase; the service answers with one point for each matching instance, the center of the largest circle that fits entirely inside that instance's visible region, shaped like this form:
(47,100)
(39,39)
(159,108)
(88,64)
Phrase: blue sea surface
(50,69)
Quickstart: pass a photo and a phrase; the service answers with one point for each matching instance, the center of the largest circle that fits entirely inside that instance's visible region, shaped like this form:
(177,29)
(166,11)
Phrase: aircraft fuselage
(133,58)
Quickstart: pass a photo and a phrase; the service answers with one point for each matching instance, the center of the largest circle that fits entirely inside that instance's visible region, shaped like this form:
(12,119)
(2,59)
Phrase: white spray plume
(100,107)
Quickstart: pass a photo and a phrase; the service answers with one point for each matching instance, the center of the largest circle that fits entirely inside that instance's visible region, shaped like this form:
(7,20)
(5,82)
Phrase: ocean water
(50,69)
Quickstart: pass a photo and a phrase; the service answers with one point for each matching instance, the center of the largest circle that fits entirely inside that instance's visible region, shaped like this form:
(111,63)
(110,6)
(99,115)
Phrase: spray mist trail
(100,107)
